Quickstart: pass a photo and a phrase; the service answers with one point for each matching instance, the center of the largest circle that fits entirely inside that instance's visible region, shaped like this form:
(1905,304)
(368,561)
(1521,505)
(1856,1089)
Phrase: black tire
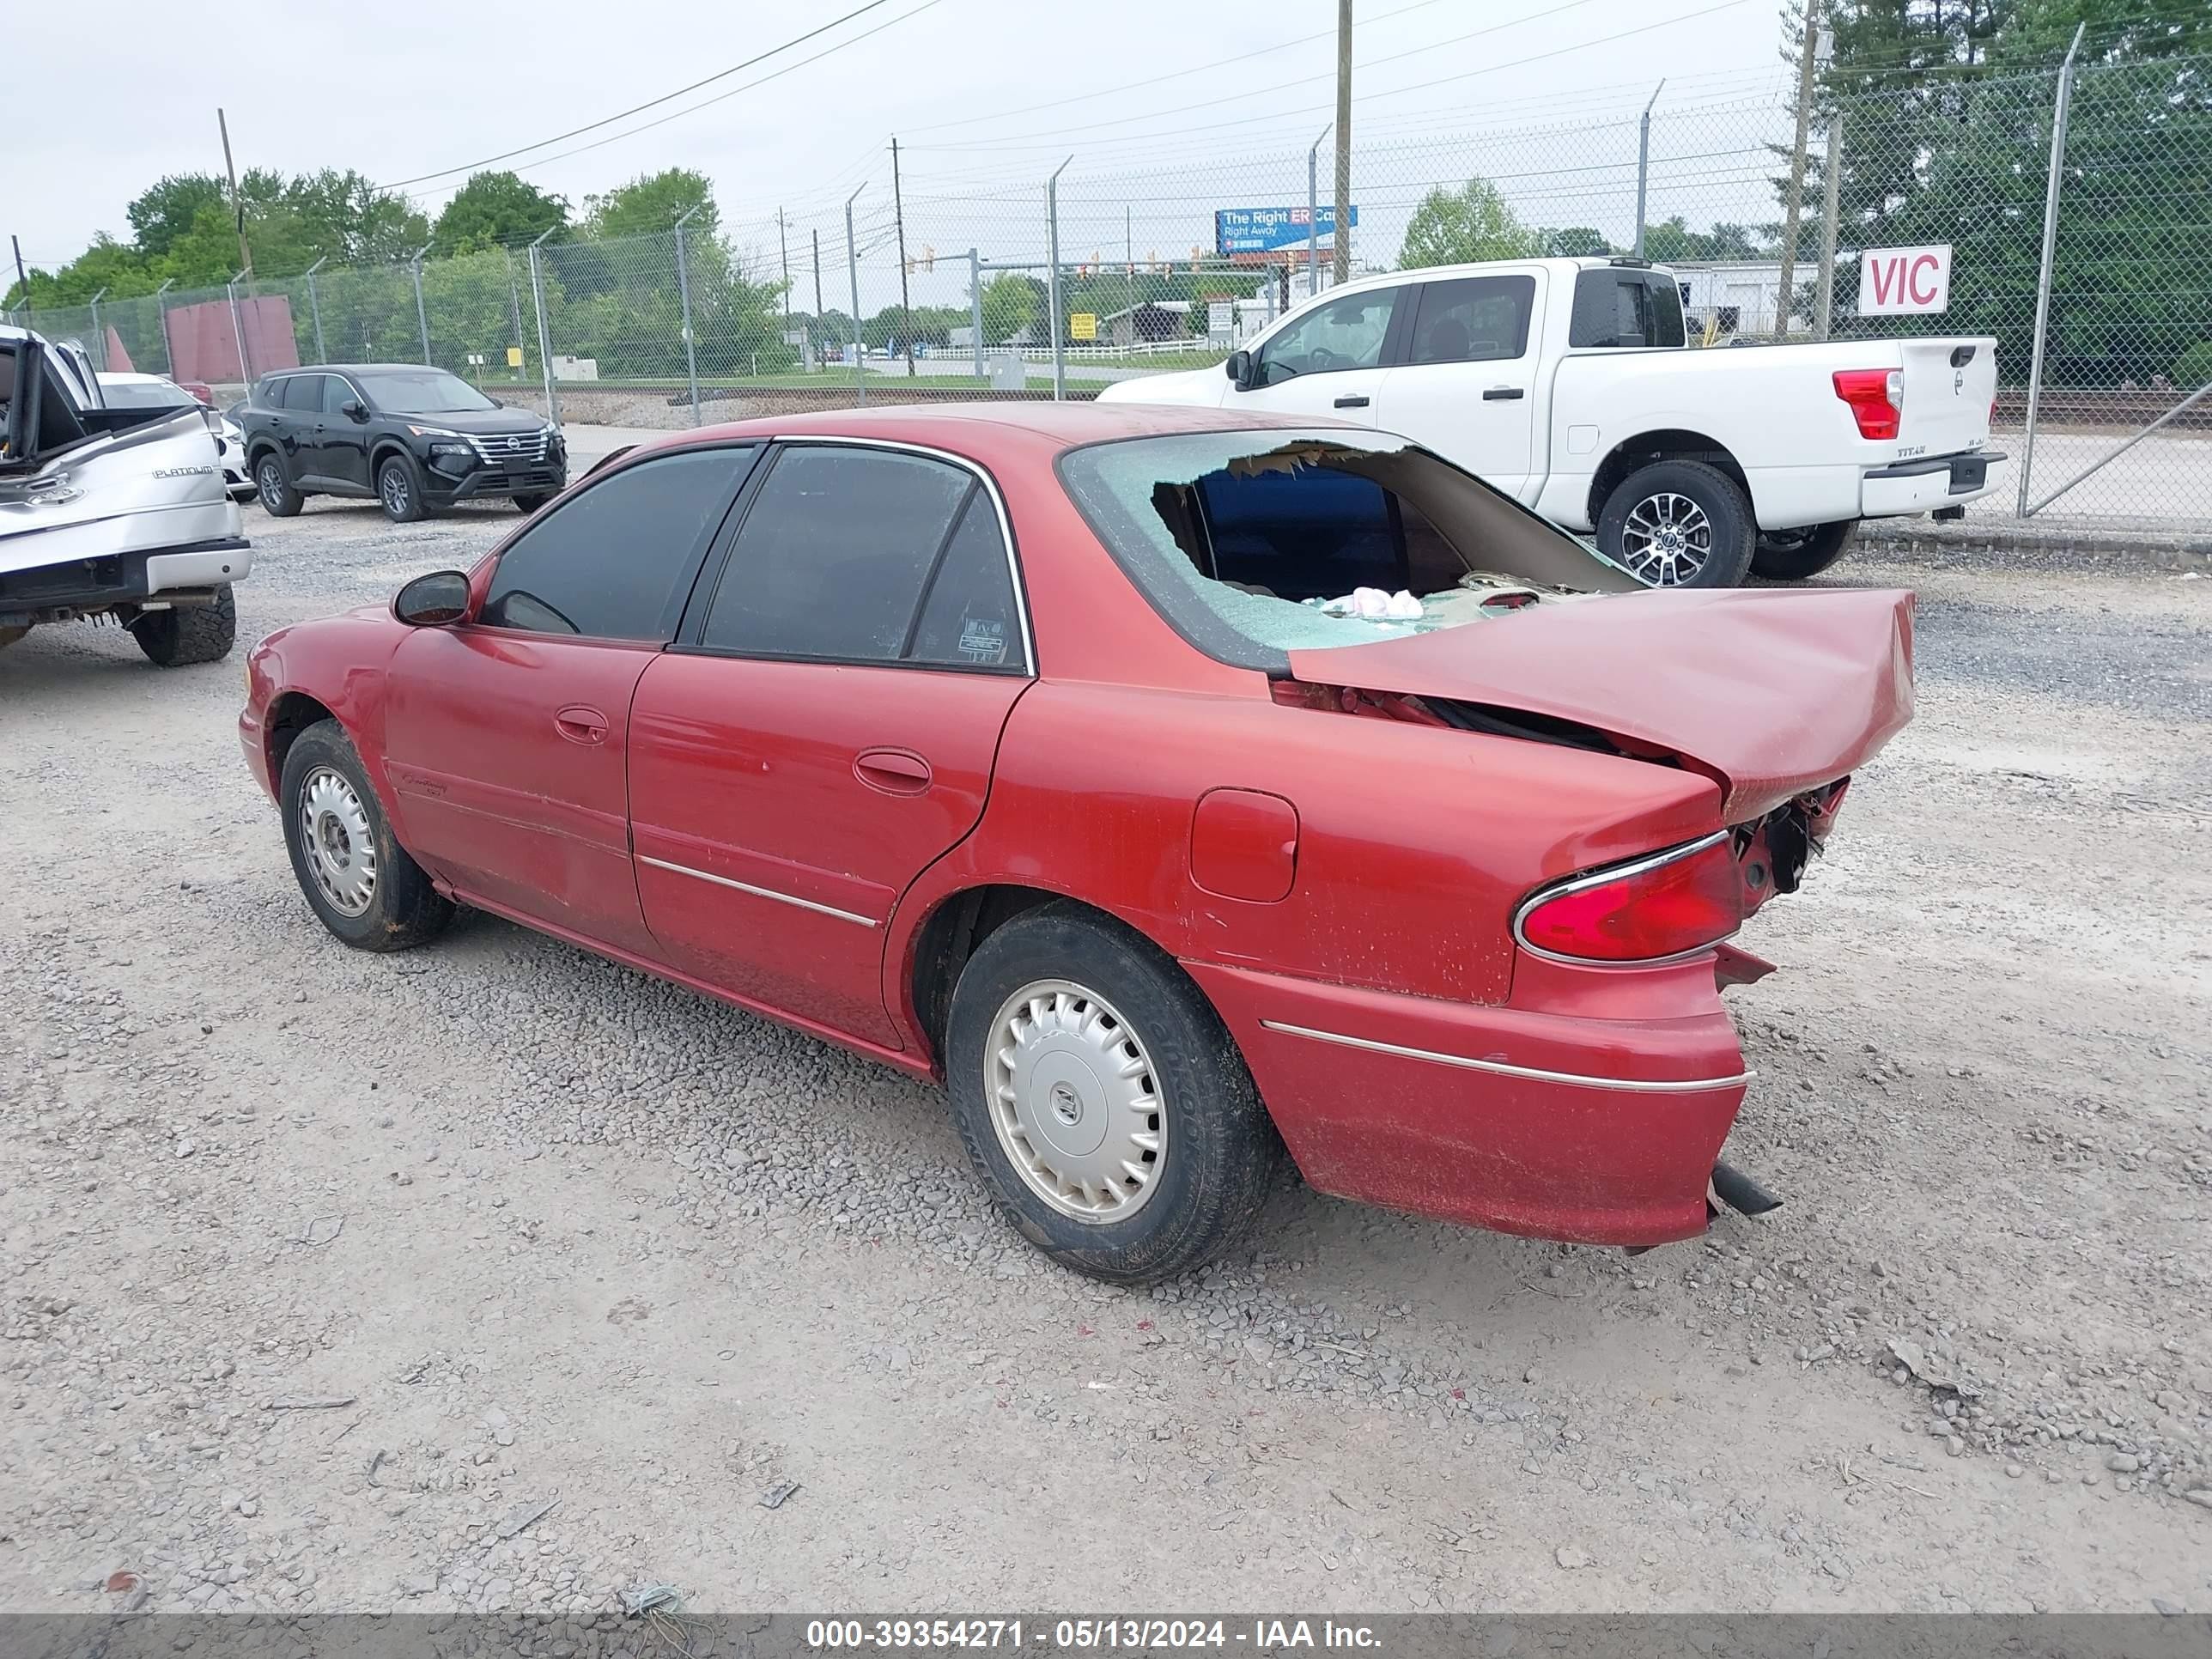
(399,490)
(532,502)
(274,486)
(1219,1150)
(401,908)
(188,634)
(1791,556)
(1721,528)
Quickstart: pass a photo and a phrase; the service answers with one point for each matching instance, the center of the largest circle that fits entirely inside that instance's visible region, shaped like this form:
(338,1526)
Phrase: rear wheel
(1679,523)
(398,491)
(1791,556)
(277,496)
(188,633)
(1102,1099)
(358,880)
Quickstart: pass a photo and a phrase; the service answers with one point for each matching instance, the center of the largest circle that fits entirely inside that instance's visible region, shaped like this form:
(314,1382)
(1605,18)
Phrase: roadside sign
(1905,281)
(476,359)
(1221,316)
(1082,325)
(1261,230)
(514,357)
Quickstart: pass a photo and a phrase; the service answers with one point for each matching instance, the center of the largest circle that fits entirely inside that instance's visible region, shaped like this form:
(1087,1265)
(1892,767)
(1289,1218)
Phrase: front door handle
(1504,393)
(893,771)
(1357,400)
(580,724)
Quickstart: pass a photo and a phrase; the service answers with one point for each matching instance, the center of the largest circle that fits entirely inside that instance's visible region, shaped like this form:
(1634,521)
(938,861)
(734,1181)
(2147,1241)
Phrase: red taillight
(1876,397)
(1662,906)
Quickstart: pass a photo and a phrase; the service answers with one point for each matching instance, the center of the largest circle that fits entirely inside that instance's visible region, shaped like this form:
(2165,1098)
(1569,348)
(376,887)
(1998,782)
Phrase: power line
(718,75)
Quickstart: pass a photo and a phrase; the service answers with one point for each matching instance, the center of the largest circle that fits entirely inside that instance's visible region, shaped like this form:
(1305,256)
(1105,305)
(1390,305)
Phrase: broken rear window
(1253,544)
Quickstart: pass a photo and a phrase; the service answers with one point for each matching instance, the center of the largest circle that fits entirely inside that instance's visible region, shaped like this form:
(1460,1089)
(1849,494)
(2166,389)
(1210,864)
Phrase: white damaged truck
(117,514)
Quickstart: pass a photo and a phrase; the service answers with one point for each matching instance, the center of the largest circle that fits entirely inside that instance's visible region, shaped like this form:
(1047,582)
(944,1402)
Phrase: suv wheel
(188,633)
(1108,1111)
(277,496)
(358,880)
(533,501)
(398,490)
(1679,523)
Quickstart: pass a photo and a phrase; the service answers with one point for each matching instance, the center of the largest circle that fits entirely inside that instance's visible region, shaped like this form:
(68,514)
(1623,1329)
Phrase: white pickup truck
(1570,385)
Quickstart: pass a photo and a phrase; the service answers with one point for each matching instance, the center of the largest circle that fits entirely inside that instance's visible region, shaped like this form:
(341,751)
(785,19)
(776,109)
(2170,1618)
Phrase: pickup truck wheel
(1791,556)
(398,491)
(1106,1106)
(186,633)
(358,880)
(278,498)
(1679,523)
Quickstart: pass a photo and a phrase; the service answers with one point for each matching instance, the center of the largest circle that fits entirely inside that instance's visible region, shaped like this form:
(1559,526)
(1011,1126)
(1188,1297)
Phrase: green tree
(494,209)
(1011,302)
(652,202)
(1472,223)
(1575,241)
(165,209)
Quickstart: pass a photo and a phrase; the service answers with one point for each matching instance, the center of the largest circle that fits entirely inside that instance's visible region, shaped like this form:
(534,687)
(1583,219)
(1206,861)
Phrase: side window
(1625,308)
(968,618)
(1337,334)
(303,394)
(837,551)
(616,561)
(335,390)
(1473,319)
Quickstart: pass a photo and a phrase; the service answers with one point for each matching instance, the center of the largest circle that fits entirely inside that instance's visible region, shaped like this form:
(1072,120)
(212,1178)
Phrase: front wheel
(186,633)
(1102,1100)
(1791,556)
(532,502)
(398,491)
(1679,523)
(357,878)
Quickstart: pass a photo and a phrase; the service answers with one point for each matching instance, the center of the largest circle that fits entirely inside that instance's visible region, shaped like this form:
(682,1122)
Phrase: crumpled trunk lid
(1771,692)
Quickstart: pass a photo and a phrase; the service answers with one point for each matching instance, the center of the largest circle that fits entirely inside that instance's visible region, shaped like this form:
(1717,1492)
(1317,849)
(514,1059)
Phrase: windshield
(1255,544)
(144,394)
(421,391)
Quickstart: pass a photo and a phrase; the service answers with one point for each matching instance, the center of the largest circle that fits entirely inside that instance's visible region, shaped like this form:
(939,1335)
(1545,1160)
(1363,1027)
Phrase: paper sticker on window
(982,639)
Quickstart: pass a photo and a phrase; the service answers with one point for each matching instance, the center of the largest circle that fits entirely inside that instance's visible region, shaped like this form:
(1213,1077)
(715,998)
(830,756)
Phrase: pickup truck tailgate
(1949,385)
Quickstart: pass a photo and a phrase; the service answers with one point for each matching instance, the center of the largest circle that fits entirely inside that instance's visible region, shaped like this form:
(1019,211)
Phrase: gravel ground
(325,1275)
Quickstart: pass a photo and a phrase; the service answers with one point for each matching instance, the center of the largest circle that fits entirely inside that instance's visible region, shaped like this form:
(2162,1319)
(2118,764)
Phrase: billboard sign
(1266,230)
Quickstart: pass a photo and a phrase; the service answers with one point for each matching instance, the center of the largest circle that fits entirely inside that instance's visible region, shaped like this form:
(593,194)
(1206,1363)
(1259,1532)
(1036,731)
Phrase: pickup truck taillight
(1665,905)
(1876,397)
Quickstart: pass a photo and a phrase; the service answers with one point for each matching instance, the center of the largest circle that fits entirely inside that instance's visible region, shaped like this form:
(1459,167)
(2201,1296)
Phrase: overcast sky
(986,95)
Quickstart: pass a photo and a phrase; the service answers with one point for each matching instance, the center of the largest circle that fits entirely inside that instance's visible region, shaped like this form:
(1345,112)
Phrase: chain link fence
(980,270)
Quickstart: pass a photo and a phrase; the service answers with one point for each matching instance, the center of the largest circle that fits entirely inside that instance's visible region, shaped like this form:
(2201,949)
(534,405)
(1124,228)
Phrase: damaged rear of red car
(1525,841)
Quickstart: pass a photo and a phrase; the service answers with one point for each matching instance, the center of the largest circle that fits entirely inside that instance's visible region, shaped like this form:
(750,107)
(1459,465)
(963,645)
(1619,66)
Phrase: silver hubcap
(1667,539)
(340,846)
(1075,1103)
(395,489)
(272,483)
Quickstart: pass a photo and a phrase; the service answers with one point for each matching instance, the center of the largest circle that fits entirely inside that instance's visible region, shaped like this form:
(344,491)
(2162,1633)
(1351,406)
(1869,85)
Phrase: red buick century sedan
(1179,789)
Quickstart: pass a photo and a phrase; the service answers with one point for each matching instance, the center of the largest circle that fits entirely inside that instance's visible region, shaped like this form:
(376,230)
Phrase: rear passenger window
(616,561)
(1625,308)
(303,393)
(867,555)
(1473,319)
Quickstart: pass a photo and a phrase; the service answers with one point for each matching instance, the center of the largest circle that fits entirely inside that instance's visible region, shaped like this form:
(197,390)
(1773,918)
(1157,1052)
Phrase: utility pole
(237,206)
(1343,231)
(817,286)
(898,218)
(23,278)
(1807,54)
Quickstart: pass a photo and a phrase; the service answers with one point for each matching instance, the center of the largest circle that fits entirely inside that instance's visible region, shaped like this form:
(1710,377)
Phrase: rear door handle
(1358,400)
(1504,393)
(893,771)
(580,724)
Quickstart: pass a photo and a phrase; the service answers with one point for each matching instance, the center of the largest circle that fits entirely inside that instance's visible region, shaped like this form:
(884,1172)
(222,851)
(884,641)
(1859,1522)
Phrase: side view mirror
(1239,369)
(354,410)
(437,600)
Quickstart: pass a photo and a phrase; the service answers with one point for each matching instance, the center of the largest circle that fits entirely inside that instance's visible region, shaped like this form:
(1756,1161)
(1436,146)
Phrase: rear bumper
(50,593)
(1601,1131)
(1926,482)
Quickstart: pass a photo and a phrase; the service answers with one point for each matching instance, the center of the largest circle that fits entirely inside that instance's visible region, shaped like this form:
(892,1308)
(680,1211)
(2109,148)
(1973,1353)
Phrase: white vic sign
(1901,282)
